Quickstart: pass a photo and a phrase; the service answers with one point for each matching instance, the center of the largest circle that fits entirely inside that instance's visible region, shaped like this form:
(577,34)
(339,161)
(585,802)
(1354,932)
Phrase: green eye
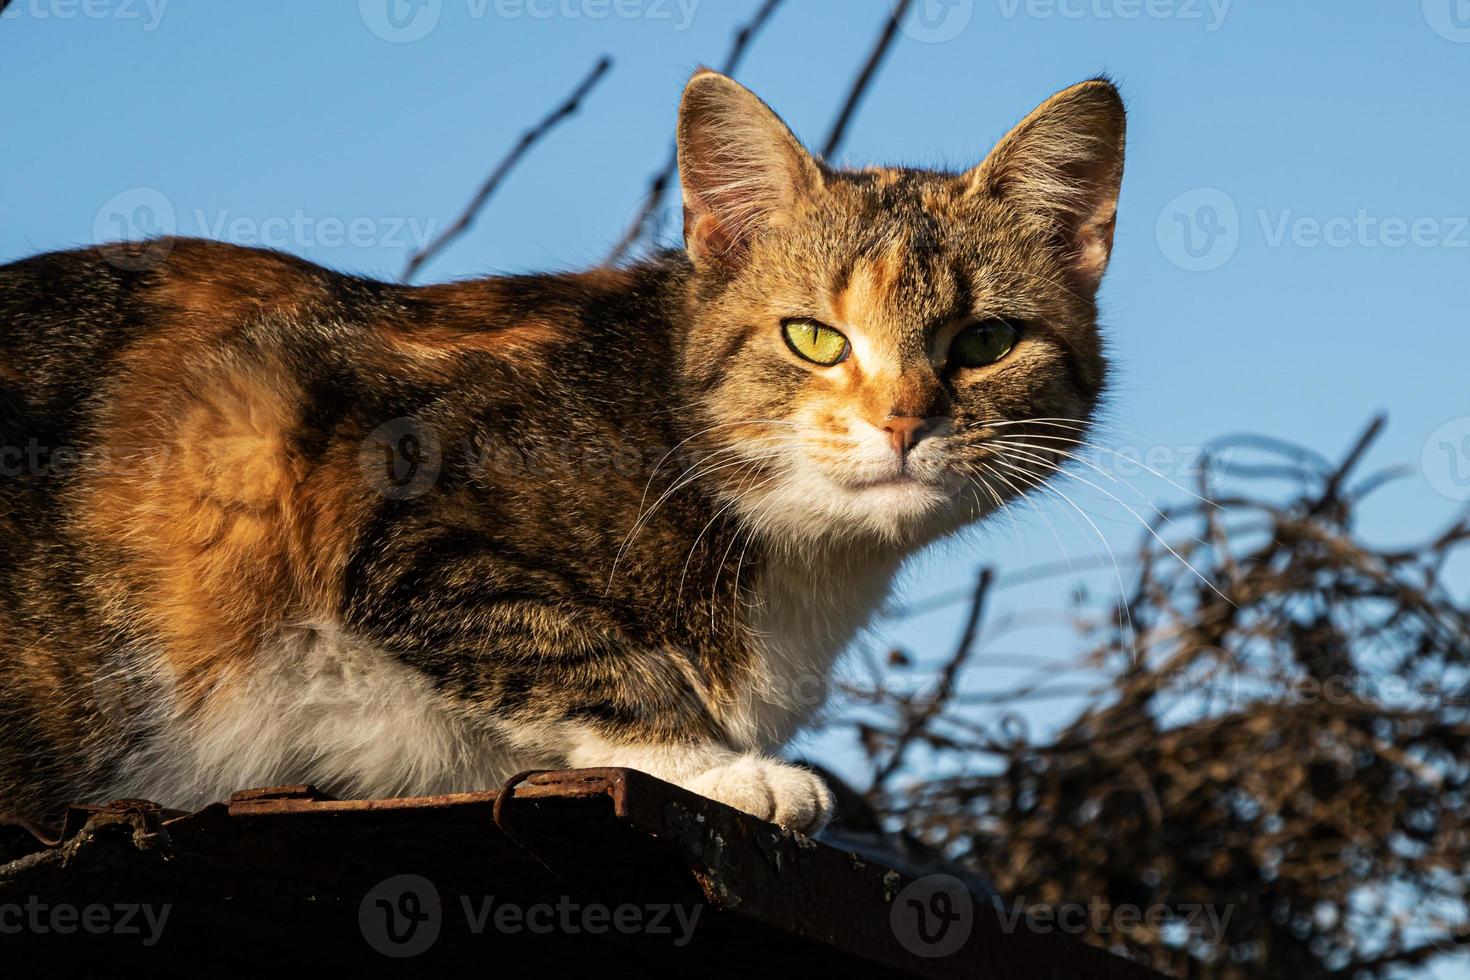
(984,343)
(815,342)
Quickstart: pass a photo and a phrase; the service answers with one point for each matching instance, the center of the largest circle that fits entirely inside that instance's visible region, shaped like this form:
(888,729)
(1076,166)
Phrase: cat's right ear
(1061,168)
(741,168)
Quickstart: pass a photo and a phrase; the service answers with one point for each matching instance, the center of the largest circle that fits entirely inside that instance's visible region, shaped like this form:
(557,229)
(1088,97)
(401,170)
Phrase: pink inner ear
(705,235)
(1094,246)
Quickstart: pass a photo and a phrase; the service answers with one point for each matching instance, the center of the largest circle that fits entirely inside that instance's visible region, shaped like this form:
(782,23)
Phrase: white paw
(787,795)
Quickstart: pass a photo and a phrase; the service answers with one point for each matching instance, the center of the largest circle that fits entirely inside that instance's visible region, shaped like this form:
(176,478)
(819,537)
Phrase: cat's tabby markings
(643,508)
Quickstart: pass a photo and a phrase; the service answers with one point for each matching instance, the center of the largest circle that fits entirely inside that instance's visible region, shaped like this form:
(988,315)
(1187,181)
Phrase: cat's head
(874,350)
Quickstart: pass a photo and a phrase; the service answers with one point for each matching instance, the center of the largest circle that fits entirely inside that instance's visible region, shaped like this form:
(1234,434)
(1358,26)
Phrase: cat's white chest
(799,618)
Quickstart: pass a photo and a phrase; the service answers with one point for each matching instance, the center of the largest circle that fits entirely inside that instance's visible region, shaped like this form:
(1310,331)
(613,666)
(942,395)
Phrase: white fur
(804,612)
(323,709)
(800,616)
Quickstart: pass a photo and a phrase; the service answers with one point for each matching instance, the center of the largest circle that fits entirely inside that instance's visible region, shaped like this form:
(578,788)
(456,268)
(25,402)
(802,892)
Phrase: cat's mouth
(905,478)
(907,484)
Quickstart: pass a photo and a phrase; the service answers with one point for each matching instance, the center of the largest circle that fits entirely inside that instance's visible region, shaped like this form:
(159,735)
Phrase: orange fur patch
(219,529)
(871,294)
(439,341)
(196,493)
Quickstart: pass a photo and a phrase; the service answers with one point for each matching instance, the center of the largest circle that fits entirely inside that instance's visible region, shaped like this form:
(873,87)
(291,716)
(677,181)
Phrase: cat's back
(193,450)
(64,316)
(176,411)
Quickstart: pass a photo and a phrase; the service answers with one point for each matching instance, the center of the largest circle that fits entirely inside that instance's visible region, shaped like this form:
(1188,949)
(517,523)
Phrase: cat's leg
(750,781)
(560,678)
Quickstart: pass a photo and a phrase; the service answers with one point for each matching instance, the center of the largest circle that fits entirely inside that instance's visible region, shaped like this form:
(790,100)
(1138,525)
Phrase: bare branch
(528,139)
(860,84)
(921,718)
(1288,752)
(658,187)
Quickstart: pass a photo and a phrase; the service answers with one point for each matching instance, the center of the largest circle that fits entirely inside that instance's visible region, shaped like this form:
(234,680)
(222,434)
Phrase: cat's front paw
(784,794)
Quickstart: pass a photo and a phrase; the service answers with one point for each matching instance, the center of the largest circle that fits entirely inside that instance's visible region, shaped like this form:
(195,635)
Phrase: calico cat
(264,523)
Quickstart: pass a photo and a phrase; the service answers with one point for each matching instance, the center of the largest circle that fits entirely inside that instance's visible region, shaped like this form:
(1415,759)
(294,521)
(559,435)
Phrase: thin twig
(860,84)
(920,720)
(658,187)
(528,139)
(1254,751)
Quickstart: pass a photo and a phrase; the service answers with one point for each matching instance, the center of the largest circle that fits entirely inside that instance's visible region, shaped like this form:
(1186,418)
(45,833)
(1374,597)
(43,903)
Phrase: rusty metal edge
(638,799)
(561,784)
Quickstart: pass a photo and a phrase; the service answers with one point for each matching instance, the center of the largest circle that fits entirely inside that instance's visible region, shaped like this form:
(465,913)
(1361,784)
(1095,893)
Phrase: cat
(264,523)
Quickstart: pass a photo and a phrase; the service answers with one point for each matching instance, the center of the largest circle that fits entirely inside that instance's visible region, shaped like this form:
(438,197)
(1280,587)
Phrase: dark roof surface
(603,869)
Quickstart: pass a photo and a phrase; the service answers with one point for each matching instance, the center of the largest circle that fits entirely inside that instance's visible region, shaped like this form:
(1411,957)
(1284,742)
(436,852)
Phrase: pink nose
(903,431)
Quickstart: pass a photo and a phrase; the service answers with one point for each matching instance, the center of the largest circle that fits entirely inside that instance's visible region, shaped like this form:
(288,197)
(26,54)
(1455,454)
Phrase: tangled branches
(1283,738)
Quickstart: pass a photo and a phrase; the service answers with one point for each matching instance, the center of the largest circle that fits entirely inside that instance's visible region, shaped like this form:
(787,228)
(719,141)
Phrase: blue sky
(1293,248)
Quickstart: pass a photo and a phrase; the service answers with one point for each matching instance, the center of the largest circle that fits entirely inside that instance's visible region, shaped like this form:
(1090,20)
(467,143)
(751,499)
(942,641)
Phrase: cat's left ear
(742,170)
(1062,167)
